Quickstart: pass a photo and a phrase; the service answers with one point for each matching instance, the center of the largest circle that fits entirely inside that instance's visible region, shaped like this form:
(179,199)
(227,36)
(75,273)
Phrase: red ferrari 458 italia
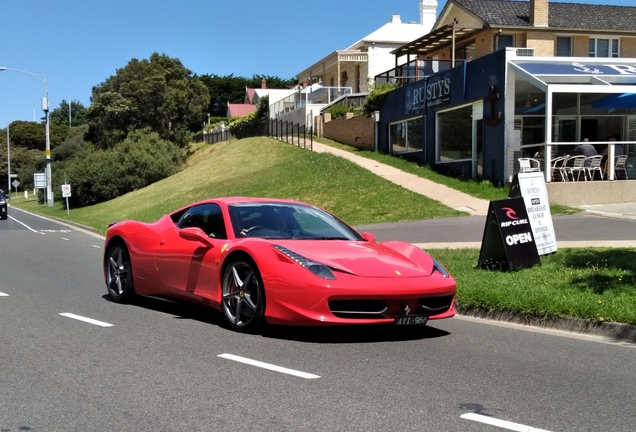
(276,261)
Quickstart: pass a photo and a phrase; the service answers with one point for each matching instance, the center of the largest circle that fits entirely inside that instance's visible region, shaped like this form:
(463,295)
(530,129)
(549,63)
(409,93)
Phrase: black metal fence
(293,133)
(213,137)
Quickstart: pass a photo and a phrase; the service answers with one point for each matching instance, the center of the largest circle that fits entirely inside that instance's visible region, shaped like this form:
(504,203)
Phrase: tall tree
(60,115)
(158,93)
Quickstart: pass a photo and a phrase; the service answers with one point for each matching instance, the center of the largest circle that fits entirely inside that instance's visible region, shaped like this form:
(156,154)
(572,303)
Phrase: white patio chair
(620,164)
(593,164)
(557,167)
(529,165)
(575,164)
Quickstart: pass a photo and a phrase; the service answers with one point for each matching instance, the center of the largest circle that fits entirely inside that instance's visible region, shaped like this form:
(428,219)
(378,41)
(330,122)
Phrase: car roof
(241,200)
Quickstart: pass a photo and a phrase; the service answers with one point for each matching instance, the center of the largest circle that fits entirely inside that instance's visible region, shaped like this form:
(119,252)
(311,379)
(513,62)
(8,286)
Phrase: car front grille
(377,308)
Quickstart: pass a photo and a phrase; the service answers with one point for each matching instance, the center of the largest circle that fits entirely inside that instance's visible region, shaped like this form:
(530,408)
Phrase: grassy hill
(263,167)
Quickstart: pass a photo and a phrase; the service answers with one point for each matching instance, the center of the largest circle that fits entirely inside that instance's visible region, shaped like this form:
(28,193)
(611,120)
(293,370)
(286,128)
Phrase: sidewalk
(454,198)
(447,196)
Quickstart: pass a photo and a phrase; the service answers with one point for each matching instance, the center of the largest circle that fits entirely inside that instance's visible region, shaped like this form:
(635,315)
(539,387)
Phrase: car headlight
(316,268)
(438,267)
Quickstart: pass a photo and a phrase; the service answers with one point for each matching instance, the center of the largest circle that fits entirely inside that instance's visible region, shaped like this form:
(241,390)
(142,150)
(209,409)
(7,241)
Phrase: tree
(59,115)
(32,135)
(159,94)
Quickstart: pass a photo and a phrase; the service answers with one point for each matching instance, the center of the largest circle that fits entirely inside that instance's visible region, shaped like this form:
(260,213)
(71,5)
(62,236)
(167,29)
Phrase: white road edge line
(88,320)
(3,294)
(268,366)
(500,423)
(22,223)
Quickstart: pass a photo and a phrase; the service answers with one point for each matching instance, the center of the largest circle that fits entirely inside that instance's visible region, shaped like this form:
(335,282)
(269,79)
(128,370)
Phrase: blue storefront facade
(475,120)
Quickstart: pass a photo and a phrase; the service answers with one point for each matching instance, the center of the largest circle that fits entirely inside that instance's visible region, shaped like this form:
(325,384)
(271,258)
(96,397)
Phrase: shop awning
(612,75)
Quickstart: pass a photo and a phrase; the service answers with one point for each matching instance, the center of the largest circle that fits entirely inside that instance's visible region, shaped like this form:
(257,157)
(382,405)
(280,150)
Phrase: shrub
(377,96)
(141,159)
(338,111)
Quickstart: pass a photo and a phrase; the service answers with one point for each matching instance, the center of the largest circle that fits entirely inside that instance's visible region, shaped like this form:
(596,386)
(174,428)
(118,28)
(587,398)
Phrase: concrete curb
(615,331)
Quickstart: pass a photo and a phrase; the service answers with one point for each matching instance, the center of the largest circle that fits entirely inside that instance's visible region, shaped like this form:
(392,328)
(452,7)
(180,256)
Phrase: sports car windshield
(288,221)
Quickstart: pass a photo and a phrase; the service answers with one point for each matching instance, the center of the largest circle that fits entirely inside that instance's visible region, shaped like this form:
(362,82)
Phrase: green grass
(596,284)
(268,168)
(484,189)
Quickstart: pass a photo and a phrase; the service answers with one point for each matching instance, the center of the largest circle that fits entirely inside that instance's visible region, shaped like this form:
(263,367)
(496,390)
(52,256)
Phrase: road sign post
(15,184)
(66,192)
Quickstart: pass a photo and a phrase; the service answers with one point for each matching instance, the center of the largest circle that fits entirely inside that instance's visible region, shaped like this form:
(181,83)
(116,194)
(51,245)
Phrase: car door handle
(162,242)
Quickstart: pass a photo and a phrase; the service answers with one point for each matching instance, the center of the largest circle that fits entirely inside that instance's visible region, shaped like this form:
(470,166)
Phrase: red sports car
(276,261)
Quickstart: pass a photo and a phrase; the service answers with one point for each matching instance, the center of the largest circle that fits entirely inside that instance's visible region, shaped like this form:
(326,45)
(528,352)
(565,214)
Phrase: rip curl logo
(510,213)
(580,67)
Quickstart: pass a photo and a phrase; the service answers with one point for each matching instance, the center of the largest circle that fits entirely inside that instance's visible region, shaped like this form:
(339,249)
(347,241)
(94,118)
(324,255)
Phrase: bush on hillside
(252,124)
(338,111)
(143,158)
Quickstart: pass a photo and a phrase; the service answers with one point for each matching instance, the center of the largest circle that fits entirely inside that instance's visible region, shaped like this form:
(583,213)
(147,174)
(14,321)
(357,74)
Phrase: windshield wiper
(328,238)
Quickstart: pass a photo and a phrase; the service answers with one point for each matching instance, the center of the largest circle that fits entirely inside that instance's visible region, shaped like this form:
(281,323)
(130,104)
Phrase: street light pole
(8,162)
(45,108)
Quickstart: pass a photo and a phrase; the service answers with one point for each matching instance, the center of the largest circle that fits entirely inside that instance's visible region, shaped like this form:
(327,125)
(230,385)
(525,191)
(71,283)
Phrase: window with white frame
(563,47)
(407,135)
(603,47)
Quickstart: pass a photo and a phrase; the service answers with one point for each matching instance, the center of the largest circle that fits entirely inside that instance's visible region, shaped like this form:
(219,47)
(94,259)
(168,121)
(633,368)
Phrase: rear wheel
(119,280)
(243,296)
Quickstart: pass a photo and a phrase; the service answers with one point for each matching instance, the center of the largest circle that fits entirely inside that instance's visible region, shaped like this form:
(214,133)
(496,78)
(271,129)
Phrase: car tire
(243,300)
(118,269)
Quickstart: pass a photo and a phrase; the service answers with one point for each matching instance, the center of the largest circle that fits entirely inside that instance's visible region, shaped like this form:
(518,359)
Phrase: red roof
(240,110)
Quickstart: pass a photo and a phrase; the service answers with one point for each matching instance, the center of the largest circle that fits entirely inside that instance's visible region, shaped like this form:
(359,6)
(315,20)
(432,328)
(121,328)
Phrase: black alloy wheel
(119,280)
(243,296)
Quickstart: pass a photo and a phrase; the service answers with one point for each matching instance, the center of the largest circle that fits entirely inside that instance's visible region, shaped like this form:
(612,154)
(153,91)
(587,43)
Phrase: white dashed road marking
(98,247)
(64,239)
(3,294)
(269,366)
(500,423)
(88,320)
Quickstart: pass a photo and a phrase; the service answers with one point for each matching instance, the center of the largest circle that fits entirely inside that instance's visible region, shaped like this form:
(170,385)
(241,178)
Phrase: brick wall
(628,47)
(543,43)
(355,131)
(580,46)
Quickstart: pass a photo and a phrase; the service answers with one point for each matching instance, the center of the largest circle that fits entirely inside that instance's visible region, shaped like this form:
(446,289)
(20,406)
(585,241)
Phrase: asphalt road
(157,366)
(471,229)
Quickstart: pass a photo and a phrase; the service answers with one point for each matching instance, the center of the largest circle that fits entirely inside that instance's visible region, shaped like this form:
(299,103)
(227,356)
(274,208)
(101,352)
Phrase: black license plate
(409,320)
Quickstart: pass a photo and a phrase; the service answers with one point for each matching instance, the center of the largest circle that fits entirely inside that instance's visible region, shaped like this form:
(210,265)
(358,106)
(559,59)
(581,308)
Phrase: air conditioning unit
(525,52)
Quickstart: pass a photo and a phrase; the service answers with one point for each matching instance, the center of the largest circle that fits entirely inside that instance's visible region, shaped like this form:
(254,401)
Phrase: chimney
(539,13)
(395,19)
(428,14)
(263,83)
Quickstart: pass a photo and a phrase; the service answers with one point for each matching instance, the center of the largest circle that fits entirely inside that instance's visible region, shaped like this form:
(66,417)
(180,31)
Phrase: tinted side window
(208,217)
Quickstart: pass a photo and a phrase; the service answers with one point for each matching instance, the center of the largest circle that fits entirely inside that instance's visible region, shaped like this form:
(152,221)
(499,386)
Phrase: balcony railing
(414,71)
(314,94)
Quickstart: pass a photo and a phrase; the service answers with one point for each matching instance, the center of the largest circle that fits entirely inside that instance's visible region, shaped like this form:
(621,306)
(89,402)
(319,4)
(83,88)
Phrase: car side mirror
(368,237)
(194,234)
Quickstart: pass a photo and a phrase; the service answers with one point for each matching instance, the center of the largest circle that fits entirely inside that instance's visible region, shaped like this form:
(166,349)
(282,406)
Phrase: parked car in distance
(277,261)
(3,206)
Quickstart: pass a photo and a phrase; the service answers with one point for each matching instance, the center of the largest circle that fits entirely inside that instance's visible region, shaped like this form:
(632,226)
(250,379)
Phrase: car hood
(362,258)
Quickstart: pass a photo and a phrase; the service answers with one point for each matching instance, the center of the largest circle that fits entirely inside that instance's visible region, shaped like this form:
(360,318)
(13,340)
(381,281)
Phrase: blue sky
(77,44)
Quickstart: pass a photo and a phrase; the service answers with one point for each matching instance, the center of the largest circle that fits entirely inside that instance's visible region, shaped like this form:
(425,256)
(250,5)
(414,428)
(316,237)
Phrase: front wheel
(118,270)
(243,296)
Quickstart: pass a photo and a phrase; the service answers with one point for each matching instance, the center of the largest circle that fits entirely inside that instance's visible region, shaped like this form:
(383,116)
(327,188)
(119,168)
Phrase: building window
(563,47)
(407,135)
(505,41)
(603,47)
(456,134)
(466,51)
